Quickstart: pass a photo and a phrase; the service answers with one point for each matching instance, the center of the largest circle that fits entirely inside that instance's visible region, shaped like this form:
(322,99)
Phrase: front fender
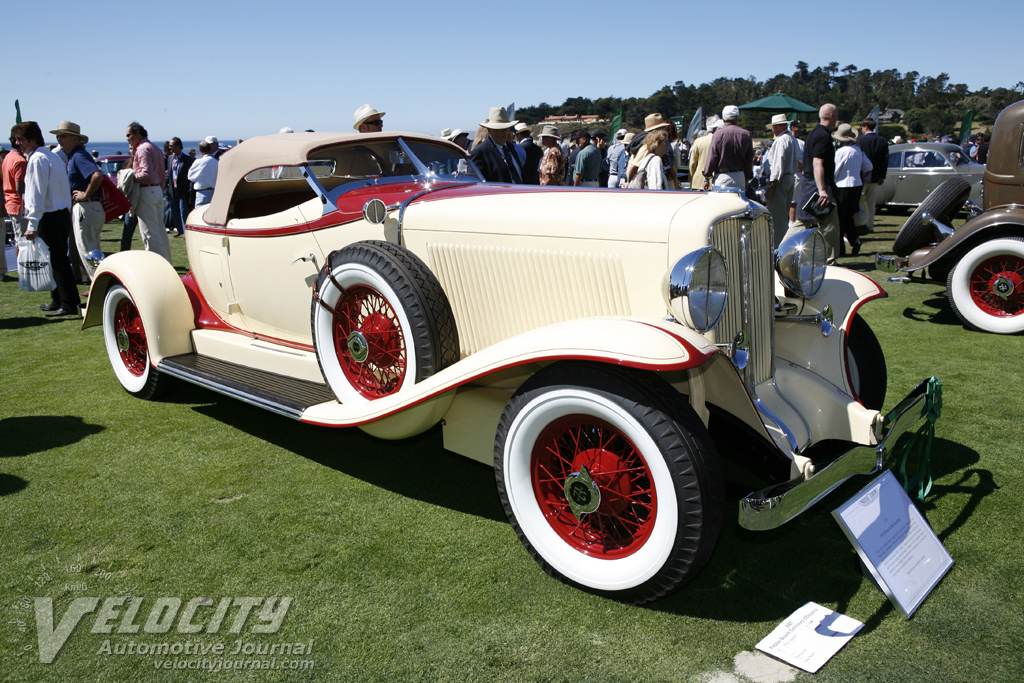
(158,293)
(1000,222)
(803,344)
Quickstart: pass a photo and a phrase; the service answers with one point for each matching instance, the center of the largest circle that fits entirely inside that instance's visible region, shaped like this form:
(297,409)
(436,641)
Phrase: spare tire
(381,322)
(943,204)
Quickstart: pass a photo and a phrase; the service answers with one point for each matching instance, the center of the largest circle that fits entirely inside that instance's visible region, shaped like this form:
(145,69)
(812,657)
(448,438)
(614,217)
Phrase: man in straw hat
(731,155)
(637,153)
(783,162)
(495,157)
(368,120)
(84,177)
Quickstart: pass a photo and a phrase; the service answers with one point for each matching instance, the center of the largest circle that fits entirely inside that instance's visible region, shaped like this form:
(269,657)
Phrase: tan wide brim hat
(777,120)
(652,121)
(365,112)
(73,128)
(550,132)
(845,133)
(498,119)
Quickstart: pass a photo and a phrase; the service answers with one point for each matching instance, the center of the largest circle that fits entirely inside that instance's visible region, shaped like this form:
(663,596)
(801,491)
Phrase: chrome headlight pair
(801,263)
(695,289)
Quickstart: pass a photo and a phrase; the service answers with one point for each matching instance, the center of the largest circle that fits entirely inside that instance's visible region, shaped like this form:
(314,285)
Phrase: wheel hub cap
(1002,287)
(357,347)
(122,340)
(583,493)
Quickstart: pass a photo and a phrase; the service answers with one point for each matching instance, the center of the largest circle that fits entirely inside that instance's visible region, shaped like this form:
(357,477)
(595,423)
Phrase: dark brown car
(982,261)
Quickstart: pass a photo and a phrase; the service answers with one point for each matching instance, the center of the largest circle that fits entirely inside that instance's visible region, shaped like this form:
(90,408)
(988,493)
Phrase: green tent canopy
(778,102)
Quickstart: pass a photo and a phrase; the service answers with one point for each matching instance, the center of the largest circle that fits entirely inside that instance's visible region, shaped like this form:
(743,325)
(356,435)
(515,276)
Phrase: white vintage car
(602,348)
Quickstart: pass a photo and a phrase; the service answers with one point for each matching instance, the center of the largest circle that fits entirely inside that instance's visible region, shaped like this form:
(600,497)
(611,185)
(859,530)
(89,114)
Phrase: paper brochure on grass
(810,636)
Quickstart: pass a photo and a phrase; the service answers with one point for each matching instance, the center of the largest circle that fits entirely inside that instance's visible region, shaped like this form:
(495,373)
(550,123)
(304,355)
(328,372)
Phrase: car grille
(747,246)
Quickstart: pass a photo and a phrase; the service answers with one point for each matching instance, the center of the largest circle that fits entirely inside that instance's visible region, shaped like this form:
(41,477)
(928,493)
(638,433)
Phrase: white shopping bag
(35,273)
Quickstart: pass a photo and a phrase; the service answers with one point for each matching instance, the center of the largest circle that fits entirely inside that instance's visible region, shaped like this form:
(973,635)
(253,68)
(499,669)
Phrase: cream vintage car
(601,348)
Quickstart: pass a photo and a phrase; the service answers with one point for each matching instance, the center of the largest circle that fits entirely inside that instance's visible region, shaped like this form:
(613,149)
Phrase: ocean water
(112,148)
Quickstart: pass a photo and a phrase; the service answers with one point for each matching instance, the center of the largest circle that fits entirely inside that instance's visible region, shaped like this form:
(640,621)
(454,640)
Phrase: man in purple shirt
(148,164)
(731,155)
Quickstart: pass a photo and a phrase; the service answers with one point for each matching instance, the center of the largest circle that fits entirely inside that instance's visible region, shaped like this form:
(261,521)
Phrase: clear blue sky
(193,69)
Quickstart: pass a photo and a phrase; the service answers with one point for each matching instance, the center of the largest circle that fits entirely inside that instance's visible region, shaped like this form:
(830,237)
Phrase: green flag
(616,124)
(17,112)
(966,124)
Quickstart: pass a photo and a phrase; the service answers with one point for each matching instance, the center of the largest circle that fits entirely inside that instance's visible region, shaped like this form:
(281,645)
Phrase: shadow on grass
(417,468)
(941,314)
(35,433)
(22,323)
(11,484)
(766,575)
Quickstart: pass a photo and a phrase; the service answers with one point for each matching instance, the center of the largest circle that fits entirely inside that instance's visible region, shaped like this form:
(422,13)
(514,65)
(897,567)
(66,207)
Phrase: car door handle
(901,177)
(311,257)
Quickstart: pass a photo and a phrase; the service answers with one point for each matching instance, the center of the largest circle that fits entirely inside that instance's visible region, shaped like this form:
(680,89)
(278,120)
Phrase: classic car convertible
(982,261)
(585,342)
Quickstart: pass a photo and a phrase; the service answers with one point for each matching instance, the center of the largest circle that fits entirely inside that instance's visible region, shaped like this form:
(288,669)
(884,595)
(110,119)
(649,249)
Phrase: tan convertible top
(283,149)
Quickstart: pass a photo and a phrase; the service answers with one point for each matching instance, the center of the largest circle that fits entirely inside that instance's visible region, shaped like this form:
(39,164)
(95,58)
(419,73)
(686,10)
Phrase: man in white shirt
(783,161)
(48,214)
(203,173)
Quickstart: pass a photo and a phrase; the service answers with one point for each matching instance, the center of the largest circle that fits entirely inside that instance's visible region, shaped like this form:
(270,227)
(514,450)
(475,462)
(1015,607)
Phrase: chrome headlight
(695,289)
(801,263)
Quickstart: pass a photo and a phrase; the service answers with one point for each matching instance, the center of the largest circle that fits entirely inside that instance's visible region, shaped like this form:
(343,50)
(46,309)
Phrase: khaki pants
(778,207)
(87,221)
(829,230)
(150,211)
(870,192)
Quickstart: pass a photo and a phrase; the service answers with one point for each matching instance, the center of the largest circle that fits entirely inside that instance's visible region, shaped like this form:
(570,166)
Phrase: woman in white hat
(850,164)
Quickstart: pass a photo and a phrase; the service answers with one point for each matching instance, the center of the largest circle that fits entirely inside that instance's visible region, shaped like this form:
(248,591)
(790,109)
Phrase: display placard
(894,541)
(810,636)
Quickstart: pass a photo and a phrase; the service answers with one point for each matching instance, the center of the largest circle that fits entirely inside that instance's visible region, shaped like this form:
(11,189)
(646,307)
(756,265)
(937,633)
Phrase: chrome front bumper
(774,506)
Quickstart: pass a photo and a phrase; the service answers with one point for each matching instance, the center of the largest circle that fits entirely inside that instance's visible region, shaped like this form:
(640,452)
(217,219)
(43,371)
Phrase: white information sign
(810,636)
(894,541)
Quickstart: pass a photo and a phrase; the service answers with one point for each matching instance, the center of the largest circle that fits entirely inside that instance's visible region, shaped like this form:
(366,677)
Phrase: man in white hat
(783,162)
(552,164)
(495,156)
(613,156)
(84,177)
(731,155)
(368,120)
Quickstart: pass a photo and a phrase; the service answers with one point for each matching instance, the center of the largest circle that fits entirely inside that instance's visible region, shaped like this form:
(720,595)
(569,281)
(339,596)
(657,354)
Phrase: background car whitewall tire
(650,459)
(986,286)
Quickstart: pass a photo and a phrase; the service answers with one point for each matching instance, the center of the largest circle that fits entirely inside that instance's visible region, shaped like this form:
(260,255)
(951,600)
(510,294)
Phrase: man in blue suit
(179,186)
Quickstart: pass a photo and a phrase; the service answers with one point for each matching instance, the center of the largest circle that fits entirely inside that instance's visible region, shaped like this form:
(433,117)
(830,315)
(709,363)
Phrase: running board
(277,393)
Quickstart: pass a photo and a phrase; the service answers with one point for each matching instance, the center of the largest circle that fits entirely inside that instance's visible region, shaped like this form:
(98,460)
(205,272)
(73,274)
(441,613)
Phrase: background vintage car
(111,164)
(917,168)
(982,261)
(602,349)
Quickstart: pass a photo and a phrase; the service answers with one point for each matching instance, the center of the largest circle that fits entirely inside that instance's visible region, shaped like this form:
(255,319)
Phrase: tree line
(931,103)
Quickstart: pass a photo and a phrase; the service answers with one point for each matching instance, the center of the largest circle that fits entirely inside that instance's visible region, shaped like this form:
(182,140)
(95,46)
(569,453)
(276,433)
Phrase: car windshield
(111,166)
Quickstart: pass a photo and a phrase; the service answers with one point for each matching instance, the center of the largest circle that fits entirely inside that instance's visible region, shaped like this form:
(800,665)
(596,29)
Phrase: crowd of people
(828,180)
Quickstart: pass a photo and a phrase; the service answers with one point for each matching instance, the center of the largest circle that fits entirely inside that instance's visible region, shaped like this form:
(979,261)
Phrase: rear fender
(158,293)
(1004,221)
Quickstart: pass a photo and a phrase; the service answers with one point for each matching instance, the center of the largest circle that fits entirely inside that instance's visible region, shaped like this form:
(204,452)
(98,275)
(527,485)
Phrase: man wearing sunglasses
(368,119)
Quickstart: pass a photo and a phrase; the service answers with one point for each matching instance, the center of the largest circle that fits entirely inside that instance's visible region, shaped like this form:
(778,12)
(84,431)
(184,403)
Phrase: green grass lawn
(398,558)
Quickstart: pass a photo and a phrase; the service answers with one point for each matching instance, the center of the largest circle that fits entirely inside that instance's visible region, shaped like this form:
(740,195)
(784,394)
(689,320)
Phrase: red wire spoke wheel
(609,479)
(380,321)
(997,285)
(369,342)
(985,287)
(124,336)
(627,506)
